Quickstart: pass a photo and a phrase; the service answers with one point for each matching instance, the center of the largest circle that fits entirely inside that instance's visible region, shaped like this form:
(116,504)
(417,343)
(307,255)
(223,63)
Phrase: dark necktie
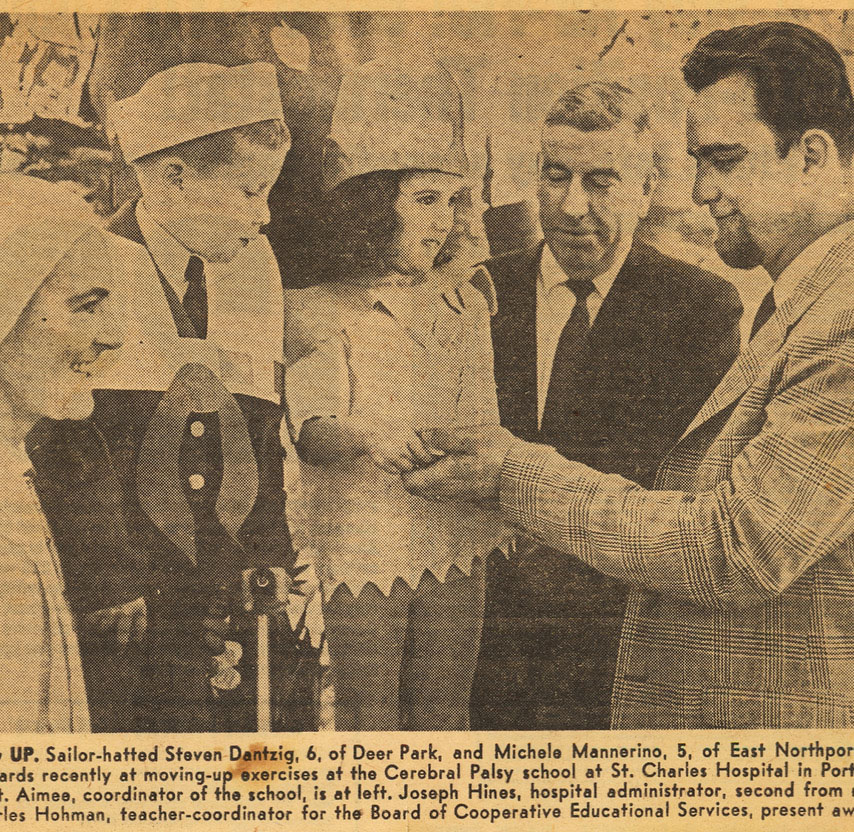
(765,311)
(195,300)
(570,355)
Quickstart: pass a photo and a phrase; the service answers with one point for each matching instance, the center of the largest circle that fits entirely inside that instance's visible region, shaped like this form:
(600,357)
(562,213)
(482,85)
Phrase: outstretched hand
(470,468)
(398,451)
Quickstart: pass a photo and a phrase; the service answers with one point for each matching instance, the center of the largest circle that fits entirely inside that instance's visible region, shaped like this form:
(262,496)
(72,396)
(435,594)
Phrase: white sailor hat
(189,101)
(395,116)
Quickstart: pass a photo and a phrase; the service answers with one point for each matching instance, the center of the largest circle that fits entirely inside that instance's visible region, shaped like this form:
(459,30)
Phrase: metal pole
(264,721)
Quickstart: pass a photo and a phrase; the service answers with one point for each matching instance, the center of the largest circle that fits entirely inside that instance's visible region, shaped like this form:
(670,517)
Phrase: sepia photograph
(430,371)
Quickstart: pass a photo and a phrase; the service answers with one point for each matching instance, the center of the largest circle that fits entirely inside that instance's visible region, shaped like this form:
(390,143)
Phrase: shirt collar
(551,273)
(394,298)
(15,462)
(413,307)
(169,255)
(399,300)
(807,261)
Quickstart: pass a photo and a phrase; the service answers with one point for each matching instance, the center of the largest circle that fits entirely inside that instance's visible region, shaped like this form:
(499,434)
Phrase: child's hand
(399,450)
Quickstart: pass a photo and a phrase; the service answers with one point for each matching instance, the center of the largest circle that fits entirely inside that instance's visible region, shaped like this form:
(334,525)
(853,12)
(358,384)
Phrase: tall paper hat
(189,101)
(393,116)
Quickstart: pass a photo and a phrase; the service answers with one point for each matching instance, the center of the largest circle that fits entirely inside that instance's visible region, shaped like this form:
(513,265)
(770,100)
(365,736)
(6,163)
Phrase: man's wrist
(505,474)
(519,466)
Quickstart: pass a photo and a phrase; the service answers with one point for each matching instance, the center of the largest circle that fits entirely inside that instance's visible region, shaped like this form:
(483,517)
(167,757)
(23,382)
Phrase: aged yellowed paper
(426,415)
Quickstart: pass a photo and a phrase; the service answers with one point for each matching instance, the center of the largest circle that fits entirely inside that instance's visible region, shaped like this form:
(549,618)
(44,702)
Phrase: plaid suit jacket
(742,558)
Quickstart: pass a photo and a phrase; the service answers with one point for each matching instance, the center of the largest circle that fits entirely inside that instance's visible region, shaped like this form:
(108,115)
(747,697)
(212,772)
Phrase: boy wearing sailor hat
(192,416)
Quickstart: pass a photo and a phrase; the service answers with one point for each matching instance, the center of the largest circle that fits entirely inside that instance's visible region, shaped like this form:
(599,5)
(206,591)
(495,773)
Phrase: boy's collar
(169,254)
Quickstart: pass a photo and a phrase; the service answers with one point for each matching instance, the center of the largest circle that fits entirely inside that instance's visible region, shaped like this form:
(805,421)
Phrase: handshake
(446,463)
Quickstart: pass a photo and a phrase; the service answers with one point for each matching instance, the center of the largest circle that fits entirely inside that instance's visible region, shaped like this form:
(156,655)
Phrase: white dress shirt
(245,312)
(168,253)
(555,302)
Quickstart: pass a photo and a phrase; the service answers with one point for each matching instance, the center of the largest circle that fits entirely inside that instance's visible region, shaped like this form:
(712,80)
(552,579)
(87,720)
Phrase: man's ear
(172,172)
(649,186)
(651,181)
(818,150)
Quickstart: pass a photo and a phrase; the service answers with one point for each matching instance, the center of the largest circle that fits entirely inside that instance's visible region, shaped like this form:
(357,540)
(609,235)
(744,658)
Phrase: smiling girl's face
(425,212)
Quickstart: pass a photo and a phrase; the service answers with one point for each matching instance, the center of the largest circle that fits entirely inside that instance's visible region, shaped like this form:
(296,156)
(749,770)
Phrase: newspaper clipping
(427,419)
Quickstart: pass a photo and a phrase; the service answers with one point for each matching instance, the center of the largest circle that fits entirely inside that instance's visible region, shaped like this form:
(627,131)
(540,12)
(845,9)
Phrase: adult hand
(470,469)
(129,621)
(398,450)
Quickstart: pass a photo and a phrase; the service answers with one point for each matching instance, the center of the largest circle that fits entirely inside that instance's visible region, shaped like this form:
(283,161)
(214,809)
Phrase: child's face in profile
(425,211)
(218,211)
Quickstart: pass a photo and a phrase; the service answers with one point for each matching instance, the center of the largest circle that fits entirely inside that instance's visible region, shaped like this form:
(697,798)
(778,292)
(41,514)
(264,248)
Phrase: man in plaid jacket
(742,558)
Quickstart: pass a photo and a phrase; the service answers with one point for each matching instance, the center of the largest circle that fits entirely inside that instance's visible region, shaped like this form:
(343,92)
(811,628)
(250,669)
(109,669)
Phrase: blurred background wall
(58,73)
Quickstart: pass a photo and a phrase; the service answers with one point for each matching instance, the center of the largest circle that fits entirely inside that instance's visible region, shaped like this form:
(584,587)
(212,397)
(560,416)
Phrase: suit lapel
(623,297)
(772,336)
(515,330)
(514,333)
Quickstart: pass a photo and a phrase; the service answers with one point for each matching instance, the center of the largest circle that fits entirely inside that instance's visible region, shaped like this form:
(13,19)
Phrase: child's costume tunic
(396,357)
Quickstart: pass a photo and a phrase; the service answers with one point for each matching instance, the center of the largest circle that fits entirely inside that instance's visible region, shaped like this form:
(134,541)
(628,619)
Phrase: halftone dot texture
(190,101)
(393,116)
(26,258)
(406,660)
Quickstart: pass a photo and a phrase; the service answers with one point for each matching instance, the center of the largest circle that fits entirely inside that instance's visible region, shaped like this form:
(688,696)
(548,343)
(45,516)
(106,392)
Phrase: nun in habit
(58,324)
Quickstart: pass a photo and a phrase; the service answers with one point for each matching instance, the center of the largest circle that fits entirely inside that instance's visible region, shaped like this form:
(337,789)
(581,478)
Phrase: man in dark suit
(604,349)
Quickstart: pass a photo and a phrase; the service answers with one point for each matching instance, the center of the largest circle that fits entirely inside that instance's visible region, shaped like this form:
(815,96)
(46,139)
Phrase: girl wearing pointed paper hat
(387,345)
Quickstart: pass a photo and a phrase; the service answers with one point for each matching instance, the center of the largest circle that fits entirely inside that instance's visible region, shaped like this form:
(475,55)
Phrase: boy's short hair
(218,149)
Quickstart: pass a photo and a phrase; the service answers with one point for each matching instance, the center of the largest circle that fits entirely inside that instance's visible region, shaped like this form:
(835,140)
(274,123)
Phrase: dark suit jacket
(664,336)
